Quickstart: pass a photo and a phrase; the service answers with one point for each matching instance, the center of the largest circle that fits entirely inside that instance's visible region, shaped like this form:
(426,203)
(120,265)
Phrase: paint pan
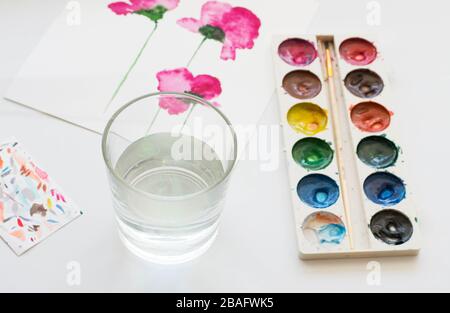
(318,191)
(364,83)
(313,154)
(302,84)
(350,191)
(358,51)
(307,118)
(392,227)
(370,117)
(385,189)
(297,52)
(324,228)
(378,152)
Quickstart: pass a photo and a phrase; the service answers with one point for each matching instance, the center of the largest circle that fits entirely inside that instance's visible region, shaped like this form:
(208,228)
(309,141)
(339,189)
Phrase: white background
(256,250)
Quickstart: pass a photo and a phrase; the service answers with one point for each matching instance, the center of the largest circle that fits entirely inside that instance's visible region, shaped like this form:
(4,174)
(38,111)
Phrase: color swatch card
(32,206)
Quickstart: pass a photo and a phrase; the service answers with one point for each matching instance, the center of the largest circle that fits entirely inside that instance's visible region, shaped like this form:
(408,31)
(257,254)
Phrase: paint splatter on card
(32,206)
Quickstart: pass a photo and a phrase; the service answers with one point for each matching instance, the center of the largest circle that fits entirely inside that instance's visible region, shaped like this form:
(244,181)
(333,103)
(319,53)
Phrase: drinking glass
(169,174)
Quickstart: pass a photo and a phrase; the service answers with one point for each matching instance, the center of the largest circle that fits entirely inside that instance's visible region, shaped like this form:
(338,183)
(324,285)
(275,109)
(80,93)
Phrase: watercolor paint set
(347,171)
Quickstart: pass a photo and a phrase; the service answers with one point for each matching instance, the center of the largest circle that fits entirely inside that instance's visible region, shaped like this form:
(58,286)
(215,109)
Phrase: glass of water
(169,174)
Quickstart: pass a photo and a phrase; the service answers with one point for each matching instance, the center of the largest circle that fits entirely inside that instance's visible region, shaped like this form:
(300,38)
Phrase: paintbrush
(338,137)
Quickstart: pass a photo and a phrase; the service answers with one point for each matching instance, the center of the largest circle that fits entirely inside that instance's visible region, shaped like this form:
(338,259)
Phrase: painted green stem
(133,65)
(191,110)
(196,51)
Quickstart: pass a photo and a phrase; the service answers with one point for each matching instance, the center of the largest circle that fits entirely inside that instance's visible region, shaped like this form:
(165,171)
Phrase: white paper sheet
(75,69)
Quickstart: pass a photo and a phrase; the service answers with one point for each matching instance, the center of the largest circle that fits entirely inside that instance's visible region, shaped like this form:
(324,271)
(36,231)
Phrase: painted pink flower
(182,81)
(235,27)
(153,9)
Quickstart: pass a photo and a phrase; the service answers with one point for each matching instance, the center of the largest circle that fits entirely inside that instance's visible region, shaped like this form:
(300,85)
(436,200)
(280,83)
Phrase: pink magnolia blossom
(235,27)
(182,81)
(153,9)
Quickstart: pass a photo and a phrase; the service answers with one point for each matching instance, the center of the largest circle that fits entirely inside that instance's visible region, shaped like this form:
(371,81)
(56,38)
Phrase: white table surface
(256,249)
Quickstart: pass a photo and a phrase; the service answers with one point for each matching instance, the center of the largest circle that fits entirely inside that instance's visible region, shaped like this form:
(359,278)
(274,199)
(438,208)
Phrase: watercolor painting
(235,27)
(32,206)
(154,10)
